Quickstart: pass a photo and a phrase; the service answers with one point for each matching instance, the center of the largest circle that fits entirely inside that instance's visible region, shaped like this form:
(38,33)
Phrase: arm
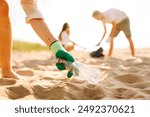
(104,26)
(74,42)
(78,45)
(35,18)
(42,31)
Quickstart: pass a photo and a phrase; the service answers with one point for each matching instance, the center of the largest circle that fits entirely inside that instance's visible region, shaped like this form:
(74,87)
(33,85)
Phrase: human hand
(98,44)
(64,55)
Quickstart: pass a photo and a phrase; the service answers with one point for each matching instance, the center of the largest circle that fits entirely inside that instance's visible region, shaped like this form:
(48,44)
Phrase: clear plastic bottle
(72,67)
(84,72)
(88,73)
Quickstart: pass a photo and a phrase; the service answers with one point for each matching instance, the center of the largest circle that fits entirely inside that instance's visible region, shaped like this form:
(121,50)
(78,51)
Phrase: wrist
(55,46)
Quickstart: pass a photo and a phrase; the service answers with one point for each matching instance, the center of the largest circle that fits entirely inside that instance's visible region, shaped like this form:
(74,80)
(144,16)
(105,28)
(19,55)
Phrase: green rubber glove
(61,53)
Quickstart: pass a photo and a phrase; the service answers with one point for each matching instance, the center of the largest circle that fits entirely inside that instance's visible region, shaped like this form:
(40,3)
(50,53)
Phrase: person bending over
(119,21)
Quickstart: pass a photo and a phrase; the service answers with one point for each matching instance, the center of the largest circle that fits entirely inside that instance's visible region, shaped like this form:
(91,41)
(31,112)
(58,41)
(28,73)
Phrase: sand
(124,77)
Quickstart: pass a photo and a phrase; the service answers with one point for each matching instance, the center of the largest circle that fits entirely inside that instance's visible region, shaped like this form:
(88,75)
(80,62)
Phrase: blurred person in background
(119,21)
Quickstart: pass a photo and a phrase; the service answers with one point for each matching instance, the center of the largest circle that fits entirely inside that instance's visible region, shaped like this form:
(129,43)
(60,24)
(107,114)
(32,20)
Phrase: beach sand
(124,77)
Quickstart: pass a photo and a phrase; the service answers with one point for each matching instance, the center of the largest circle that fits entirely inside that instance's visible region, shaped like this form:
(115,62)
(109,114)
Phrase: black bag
(97,53)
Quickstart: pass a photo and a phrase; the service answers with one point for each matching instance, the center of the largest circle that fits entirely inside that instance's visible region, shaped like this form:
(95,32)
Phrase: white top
(65,38)
(114,15)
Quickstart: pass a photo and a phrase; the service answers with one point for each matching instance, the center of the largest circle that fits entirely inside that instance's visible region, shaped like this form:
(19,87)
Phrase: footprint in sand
(123,93)
(7,81)
(51,92)
(146,91)
(147,75)
(25,72)
(15,92)
(129,78)
(141,85)
(94,92)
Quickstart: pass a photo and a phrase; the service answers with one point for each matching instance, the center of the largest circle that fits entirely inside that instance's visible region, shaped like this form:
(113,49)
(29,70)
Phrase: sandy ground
(124,77)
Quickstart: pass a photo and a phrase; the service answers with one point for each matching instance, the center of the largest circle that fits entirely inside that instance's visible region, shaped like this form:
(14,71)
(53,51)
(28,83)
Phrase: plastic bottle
(83,71)
(88,73)
(72,67)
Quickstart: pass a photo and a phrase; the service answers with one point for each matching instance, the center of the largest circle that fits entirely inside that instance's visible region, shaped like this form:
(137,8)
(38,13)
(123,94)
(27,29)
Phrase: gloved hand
(61,53)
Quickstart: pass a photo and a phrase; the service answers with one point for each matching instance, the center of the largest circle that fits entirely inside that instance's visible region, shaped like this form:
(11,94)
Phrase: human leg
(114,32)
(111,39)
(127,32)
(131,46)
(5,41)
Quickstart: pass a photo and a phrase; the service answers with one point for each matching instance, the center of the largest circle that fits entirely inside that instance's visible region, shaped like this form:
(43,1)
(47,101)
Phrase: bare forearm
(104,26)
(103,36)
(42,31)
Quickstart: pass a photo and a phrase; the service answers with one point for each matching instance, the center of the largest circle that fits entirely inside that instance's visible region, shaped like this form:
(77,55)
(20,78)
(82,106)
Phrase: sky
(85,30)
